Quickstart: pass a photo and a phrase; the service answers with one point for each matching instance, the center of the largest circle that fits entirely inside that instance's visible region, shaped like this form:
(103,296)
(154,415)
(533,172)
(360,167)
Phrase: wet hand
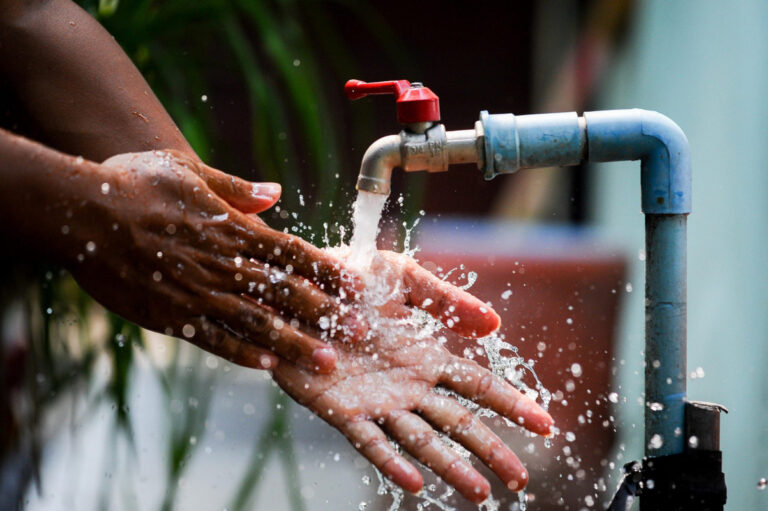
(173,245)
(391,386)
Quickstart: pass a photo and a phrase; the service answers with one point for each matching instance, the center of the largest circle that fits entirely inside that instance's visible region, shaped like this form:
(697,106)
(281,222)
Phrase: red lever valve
(415,103)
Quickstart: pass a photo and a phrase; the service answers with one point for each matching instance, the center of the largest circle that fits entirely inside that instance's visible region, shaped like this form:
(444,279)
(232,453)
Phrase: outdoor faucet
(422,145)
(685,476)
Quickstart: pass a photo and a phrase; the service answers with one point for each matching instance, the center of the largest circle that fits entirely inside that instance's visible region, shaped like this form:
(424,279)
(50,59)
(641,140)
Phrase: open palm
(390,386)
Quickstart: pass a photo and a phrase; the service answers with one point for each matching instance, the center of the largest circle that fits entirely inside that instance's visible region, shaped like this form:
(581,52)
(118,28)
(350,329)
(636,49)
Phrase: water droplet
(204,98)
(613,397)
(90,247)
(188,331)
(656,407)
(656,441)
(576,369)
(698,373)
(157,276)
(693,442)
(506,294)
(762,483)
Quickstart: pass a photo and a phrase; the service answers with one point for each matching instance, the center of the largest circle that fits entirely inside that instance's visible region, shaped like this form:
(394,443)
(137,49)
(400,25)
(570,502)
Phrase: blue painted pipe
(530,141)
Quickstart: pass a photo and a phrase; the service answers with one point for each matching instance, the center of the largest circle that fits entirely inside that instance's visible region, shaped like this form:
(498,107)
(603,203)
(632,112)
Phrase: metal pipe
(665,333)
(462,146)
(513,143)
(665,178)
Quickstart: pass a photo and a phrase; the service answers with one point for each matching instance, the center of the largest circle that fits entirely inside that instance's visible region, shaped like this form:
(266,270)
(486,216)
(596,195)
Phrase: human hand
(389,386)
(170,243)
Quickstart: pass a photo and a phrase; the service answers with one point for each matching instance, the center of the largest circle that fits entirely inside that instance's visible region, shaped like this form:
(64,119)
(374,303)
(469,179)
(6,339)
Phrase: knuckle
(484,384)
(464,422)
(421,440)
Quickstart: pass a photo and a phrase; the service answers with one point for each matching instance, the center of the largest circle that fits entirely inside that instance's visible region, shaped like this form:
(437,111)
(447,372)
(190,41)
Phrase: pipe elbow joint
(655,140)
(378,161)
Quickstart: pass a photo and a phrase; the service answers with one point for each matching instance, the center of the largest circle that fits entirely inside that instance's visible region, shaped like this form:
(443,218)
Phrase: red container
(558,291)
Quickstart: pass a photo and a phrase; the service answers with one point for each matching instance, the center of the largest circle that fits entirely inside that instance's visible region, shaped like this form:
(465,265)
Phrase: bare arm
(78,85)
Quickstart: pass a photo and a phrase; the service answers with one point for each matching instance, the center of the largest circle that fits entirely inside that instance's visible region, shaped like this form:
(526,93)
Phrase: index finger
(463,313)
(298,256)
(486,389)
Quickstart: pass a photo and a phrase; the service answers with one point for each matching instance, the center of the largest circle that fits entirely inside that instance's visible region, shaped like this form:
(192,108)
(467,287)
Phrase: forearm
(78,85)
(44,198)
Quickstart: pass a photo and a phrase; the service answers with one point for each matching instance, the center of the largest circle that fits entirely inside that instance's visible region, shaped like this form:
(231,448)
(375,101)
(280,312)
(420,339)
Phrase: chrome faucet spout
(434,150)
(378,161)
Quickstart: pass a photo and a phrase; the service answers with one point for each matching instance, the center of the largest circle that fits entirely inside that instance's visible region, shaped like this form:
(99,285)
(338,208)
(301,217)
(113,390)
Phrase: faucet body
(505,143)
(426,148)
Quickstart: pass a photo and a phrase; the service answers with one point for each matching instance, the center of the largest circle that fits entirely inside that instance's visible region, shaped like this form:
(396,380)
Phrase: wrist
(47,198)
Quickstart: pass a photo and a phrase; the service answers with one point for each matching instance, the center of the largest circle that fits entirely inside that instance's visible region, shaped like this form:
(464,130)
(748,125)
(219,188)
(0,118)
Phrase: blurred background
(96,414)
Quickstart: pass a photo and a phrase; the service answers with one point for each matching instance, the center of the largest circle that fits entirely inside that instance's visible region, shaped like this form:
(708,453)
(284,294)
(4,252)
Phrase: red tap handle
(415,103)
(356,89)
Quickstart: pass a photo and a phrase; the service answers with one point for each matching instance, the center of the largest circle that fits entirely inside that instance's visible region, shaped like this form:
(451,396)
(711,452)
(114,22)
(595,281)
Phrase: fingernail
(266,190)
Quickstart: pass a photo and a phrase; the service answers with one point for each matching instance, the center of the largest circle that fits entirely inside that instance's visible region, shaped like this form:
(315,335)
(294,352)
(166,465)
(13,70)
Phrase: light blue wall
(705,65)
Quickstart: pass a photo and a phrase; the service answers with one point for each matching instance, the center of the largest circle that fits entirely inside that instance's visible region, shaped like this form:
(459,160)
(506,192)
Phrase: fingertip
(267,362)
(494,321)
(404,475)
(324,360)
(489,321)
(540,422)
(263,196)
(519,482)
(480,491)
(547,425)
(476,322)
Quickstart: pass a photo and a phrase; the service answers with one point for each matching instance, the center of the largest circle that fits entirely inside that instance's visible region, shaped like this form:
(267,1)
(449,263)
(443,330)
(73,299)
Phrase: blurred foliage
(287,61)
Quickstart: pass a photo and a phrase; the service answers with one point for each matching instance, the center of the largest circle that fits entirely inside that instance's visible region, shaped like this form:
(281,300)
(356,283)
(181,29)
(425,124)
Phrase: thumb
(242,195)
